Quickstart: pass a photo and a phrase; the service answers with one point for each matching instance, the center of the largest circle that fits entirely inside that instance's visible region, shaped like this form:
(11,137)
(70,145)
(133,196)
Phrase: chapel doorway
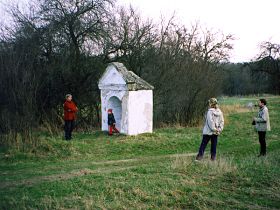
(116,105)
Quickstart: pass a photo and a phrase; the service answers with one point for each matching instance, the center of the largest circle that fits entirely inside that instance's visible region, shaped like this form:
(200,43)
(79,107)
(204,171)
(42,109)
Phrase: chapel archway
(116,105)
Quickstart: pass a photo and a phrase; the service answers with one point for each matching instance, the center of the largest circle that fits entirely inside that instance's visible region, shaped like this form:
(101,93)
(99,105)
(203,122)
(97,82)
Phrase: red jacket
(70,110)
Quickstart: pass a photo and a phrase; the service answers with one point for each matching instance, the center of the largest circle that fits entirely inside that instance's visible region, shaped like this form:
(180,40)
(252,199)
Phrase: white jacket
(262,120)
(214,122)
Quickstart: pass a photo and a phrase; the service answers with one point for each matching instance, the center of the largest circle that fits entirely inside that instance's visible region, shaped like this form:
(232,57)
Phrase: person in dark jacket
(70,110)
(111,122)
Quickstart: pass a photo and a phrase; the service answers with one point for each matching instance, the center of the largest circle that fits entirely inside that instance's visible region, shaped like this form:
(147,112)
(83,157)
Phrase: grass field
(150,171)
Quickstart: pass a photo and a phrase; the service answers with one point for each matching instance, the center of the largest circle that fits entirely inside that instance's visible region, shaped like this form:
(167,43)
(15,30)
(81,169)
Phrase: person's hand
(218,131)
(215,131)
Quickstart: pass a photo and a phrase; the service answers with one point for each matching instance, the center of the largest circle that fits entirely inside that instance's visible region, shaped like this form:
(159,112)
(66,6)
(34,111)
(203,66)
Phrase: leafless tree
(268,61)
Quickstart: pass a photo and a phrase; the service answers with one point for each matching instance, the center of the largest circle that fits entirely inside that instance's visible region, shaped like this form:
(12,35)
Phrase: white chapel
(130,98)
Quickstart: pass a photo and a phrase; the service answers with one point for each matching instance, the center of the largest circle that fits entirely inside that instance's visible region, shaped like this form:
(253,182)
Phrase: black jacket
(111,119)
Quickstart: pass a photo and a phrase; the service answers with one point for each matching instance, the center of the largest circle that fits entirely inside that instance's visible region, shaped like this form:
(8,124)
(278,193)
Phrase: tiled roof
(133,81)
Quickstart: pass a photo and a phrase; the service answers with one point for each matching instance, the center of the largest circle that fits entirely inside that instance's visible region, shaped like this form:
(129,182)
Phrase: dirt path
(85,171)
(58,177)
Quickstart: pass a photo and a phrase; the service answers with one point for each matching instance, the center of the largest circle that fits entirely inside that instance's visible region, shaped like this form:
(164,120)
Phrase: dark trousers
(203,145)
(262,142)
(68,128)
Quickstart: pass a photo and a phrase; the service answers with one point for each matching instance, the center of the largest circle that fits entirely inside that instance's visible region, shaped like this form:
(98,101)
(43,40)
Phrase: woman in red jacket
(70,110)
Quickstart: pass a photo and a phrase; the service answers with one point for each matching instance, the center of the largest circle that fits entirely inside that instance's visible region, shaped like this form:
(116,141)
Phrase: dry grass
(220,166)
(235,108)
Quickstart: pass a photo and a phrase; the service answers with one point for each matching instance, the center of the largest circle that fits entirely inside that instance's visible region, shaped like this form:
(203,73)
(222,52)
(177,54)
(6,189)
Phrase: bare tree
(76,22)
(62,46)
(268,61)
(184,68)
(129,39)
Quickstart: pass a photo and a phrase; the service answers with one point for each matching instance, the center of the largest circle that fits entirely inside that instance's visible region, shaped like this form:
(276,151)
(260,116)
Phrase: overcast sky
(250,21)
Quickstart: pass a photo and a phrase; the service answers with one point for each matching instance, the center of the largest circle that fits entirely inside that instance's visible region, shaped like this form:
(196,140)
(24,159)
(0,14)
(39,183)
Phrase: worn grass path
(102,167)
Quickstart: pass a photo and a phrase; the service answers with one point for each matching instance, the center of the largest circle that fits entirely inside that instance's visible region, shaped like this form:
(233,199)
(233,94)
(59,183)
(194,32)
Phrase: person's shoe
(198,158)
(213,158)
(261,155)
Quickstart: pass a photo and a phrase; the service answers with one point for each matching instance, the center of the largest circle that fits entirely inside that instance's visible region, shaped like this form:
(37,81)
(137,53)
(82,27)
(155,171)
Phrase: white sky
(250,21)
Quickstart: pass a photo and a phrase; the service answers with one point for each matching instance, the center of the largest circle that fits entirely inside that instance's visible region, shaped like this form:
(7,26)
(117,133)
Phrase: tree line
(261,75)
(59,46)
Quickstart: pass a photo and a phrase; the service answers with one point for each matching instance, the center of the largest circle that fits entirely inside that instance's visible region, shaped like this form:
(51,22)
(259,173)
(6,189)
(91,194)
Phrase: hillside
(150,171)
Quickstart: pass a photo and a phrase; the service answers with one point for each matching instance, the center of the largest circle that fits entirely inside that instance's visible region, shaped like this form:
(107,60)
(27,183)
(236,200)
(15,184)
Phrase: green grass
(150,171)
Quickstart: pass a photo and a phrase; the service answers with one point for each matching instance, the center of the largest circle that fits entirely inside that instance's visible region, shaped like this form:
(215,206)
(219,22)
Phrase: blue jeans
(203,145)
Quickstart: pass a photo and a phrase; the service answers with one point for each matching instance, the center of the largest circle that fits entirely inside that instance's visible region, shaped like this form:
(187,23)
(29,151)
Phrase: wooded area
(60,46)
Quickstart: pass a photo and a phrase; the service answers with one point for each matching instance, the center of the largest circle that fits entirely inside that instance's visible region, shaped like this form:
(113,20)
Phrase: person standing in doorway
(70,110)
(111,122)
(262,124)
(213,126)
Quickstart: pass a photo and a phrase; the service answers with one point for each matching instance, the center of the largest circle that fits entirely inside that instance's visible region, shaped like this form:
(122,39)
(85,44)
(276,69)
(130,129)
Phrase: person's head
(213,102)
(110,111)
(68,97)
(262,102)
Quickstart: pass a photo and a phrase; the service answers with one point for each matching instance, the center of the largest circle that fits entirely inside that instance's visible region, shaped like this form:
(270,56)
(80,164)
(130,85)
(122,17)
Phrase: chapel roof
(133,81)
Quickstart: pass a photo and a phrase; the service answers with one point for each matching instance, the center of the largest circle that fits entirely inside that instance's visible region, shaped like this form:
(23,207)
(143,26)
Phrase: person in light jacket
(262,125)
(213,126)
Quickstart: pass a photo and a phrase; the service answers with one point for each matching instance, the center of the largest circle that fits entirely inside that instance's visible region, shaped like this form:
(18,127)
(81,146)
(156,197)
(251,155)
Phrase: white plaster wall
(136,106)
(124,123)
(112,76)
(112,84)
(140,112)
(105,105)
